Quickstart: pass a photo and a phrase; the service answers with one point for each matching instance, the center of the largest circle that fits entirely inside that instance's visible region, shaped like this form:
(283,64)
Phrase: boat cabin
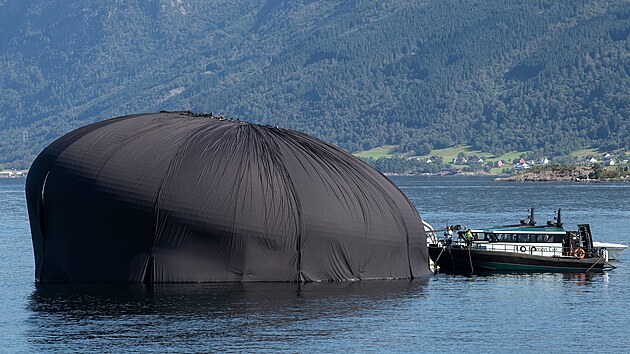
(541,240)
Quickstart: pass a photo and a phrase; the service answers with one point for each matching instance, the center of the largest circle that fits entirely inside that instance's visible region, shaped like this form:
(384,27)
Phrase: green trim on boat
(540,230)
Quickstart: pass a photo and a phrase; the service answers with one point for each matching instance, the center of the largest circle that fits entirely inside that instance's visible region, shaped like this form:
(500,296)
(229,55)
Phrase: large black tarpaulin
(178,197)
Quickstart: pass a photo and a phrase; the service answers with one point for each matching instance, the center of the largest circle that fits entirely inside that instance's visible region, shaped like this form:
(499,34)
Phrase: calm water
(523,313)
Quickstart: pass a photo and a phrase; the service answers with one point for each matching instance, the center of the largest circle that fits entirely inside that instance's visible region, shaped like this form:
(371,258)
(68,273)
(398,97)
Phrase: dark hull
(459,260)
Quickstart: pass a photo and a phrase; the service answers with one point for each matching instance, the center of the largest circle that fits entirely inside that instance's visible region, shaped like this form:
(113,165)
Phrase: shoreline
(464,174)
(577,180)
(576,174)
(524,177)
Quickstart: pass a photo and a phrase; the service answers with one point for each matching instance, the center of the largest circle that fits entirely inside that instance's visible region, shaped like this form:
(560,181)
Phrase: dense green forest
(551,76)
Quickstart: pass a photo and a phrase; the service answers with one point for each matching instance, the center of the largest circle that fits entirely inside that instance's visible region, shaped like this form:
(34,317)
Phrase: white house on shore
(12,174)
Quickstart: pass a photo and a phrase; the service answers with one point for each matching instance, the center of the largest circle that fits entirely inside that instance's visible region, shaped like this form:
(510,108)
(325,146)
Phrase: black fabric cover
(178,197)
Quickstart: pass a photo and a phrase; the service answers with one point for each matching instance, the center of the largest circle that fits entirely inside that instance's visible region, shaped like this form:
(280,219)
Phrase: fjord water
(443,313)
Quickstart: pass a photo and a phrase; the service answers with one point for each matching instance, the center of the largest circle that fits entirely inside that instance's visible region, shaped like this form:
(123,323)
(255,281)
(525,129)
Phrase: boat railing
(535,250)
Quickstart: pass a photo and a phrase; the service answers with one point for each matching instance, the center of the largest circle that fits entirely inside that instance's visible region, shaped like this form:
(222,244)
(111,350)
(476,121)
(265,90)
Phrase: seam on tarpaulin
(238,147)
(319,159)
(148,277)
(269,148)
(328,159)
(289,140)
(423,235)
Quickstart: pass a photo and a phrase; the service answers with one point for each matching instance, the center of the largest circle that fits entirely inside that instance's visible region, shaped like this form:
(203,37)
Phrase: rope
(610,266)
(438,258)
(472,270)
(591,267)
(605,264)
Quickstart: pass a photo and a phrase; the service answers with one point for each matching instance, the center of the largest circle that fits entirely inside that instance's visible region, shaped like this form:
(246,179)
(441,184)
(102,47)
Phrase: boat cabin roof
(552,230)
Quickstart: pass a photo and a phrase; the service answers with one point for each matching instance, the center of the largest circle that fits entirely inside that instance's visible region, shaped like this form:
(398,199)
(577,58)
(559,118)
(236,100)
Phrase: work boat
(524,247)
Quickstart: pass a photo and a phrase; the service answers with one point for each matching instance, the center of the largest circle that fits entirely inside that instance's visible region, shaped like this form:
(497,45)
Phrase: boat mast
(559,218)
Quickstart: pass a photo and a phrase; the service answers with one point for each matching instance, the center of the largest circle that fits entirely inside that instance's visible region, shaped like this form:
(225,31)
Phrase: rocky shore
(559,174)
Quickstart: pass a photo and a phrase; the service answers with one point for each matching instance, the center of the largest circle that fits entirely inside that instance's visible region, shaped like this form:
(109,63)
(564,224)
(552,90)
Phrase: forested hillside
(496,75)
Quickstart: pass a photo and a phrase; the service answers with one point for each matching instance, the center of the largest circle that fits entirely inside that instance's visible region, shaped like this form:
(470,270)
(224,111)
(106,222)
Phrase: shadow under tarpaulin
(206,299)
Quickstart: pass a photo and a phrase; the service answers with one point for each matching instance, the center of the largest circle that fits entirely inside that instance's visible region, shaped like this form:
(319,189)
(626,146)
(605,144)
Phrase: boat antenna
(559,218)
(532,222)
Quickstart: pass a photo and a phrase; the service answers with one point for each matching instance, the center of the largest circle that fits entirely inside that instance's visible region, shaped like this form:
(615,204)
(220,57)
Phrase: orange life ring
(579,253)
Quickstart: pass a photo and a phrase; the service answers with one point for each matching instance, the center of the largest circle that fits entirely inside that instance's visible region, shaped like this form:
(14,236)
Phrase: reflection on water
(575,278)
(202,315)
(582,279)
(207,299)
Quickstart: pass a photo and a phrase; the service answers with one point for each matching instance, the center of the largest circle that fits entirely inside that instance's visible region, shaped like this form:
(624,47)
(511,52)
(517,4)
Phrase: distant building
(7,174)
(592,160)
(459,160)
(521,166)
(498,163)
(544,161)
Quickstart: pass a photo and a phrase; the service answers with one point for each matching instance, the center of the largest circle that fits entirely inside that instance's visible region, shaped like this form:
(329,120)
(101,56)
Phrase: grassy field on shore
(447,154)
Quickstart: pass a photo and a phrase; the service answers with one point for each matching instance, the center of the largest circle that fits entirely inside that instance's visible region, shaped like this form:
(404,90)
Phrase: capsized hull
(461,260)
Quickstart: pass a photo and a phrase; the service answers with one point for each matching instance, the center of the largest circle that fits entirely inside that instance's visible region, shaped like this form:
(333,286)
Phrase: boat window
(490,237)
(509,237)
(542,238)
(527,238)
(530,238)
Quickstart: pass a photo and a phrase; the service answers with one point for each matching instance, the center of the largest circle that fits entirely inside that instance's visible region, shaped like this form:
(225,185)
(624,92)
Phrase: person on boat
(448,236)
(468,238)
